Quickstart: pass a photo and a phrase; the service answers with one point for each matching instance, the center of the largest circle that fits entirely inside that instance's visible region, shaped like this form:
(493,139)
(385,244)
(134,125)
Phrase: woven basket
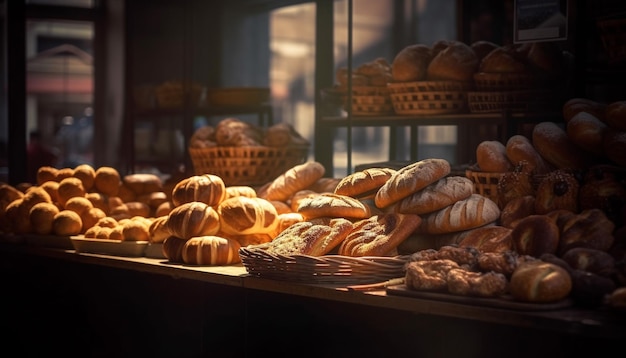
(505,81)
(328,269)
(429,86)
(613,35)
(247,165)
(370,101)
(429,102)
(515,101)
(485,183)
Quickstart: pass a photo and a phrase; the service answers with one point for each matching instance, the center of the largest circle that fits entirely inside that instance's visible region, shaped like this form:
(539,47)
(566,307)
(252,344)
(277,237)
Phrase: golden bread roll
(125,193)
(378,235)
(536,235)
(299,177)
(235,132)
(457,62)
(143,183)
(242,215)
(158,230)
(16,218)
(52,187)
(410,64)
(504,59)
(557,190)
(247,239)
(193,219)
(332,205)
(553,144)
(98,200)
(310,238)
(69,188)
(173,249)
(284,221)
(9,193)
(616,115)
(438,195)
(107,180)
(519,149)
(87,174)
(469,213)
(539,281)
(41,216)
(211,251)
(364,183)
(135,230)
(91,218)
(297,197)
(164,209)
(587,132)
(576,105)
(281,207)
(491,157)
(63,173)
(46,173)
(206,188)
(240,190)
(409,179)
(66,223)
(493,238)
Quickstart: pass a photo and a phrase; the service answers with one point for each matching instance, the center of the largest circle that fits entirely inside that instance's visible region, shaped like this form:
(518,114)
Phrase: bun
(69,188)
(553,144)
(557,190)
(538,281)
(503,60)
(364,183)
(158,230)
(438,195)
(616,115)
(41,216)
(473,212)
(587,132)
(46,173)
(332,205)
(410,63)
(135,230)
(66,223)
(211,250)
(410,179)
(491,157)
(489,239)
(173,249)
(615,146)
(193,219)
(207,188)
(297,178)
(235,132)
(457,62)
(482,48)
(143,183)
(519,149)
(517,209)
(577,105)
(535,235)
(243,215)
(107,180)
(87,174)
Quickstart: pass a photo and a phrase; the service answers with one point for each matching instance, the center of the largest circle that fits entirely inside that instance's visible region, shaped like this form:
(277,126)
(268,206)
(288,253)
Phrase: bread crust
(364,183)
(410,63)
(473,212)
(519,149)
(297,178)
(332,205)
(539,281)
(444,192)
(536,235)
(457,62)
(553,144)
(491,157)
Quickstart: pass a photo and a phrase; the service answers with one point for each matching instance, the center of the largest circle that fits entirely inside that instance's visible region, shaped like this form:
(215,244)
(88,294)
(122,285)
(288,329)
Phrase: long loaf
(475,211)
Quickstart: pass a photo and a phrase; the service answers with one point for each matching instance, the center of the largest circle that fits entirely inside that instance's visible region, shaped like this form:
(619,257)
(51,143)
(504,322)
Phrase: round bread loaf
(332,205)
(575,105)
(66,223)
(539,281)
(503,60)
(535,235)
(491,157)
(243,215)
(553,144)
(87,174)
(615,146)
(107,180)
(438,195)
(41,216)
(410,63)
(616,115)
(587,132)
(297,178)
(492,238)
(173,249)
(557,190)
(519,149)
(469,213)
(457,62)
(211,251)
(517,209)
(206,188)
(364,183)
(193,219)
(143,183)
(69,188)
(410,179)
(482,48)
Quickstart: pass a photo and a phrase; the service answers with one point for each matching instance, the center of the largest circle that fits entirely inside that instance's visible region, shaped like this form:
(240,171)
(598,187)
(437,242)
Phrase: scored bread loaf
(295,179)
(243,215)
(475,211)
(364,183)
(445,191)
(211,250)
(193,219)
(332,205)
(207,188)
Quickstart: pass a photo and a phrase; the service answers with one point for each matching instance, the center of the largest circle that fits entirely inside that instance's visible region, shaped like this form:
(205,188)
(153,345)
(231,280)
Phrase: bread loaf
(539,281)
(242,215)
(587,132)
(206,188)
(438,195)
(311,238)
(364,183)
(576,105)
(491,157)
(297,178)
(535,235)
(517,209)
(457,62)
(473,212)
(193,219)
(519,149)
(332,205)
(410,63)
(553,144)
(211,251)
(492,238)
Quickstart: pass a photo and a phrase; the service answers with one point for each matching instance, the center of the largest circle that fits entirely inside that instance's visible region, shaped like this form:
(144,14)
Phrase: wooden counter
(255,307)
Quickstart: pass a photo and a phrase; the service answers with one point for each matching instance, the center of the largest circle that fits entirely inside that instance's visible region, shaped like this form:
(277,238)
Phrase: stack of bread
(519,78)
(368,84)
(432,79)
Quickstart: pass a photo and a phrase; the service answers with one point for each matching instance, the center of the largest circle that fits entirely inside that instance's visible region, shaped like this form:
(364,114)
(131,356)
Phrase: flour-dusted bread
(444,192)
(364,183)
(475,211)
(333,205)
(293,180)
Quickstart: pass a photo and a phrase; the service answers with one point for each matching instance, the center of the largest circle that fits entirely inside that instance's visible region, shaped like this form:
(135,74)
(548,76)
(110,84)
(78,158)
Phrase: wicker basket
(515,101)
(613,35)
(429,97)
(505,81)
(247,165)
(328,269)
(370,101)
(485,183)
(429,86)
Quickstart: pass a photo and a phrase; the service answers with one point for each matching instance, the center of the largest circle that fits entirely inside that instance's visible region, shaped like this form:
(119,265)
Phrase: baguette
(473,212)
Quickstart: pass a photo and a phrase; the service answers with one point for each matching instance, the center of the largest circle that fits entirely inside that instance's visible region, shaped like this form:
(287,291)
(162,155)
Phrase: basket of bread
(368,83)
(432,79)
(242,153)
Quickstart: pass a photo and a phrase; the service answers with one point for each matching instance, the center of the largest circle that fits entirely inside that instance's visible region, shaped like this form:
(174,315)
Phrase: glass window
(72,3)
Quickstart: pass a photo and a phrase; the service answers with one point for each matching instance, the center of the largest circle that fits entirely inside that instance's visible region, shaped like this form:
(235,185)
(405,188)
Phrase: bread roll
(69,188)
(410,63)
(482,48)
(576,105)
(587,132)
(553,144)
(46,173)
(297,178)
(491,157)
(438,195)
(66,223)
(41,216)
(310,238)
(410,179)
(364,183)
(242,215)
(473,212)
(107,180)
(492,238)
(135,230)
(240,190)
(143,183)
(535,235)
(158,230)
(173,249)
(211,251)
(541,282)
(517,209)
(332,205)
(457,62)
(503,60)
(284,221)
(193,219)
(557,190)
(616,115)
(519,149)
(235,132)
(297,197)
(206,188)
(87,174)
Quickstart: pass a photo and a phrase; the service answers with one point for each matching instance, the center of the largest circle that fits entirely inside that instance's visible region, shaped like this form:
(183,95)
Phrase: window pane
(73,3)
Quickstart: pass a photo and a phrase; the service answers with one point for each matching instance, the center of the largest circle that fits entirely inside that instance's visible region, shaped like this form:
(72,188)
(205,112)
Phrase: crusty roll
(591,260)
(557,190)
(158,230)
(136,230)
(575,105)
(493,238)
(364,183)
(616,115)
(143,183)
(587,132)
(457,62)
(297,197)
(332,205)
(66,223)
(206,188)
(107,180)
(491,157)
(243,215)
(69,188)
(504,59)
(410,179)
(173,249)
(615,146)
(539,281)
(297,178)
(379,234)
(473,212)
(517,209)
(590,228)
(87,174)
(535,235)
(193,219)
(482,48)
(553,144)
(519,149)
(211,251)
(41,216)
(438,195)
(410,63)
